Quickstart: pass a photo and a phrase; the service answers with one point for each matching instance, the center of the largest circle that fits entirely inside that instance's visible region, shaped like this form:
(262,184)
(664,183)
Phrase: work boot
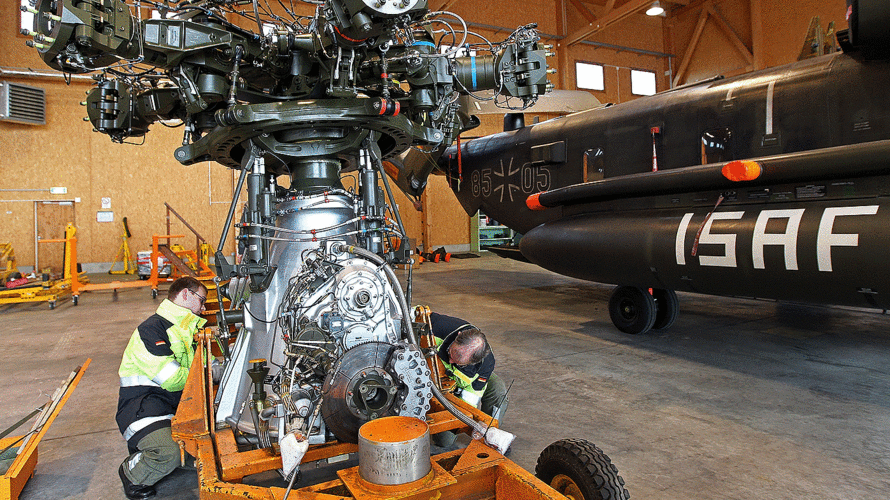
(135,491)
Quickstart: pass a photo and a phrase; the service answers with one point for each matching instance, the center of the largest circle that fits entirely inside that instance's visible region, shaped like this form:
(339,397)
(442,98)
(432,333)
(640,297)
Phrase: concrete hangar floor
(739,399)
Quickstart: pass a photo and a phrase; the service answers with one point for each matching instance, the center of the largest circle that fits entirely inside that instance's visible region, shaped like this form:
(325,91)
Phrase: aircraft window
(589,76)
(715,146)
(594,165)
(642,82)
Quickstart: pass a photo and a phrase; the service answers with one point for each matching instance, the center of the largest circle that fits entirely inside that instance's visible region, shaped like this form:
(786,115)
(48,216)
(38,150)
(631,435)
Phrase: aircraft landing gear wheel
(667,308)
(579,470)
(52,305)
(154,294)
(74,299)
(632,309)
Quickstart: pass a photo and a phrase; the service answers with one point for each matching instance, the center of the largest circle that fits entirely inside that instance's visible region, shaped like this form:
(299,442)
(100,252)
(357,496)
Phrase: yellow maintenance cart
(8,271)
(389,447)
(50,291)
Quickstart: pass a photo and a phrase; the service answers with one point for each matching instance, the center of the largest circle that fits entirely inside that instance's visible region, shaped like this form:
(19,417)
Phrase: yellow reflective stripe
(462,379)
(169,370)
(463,376)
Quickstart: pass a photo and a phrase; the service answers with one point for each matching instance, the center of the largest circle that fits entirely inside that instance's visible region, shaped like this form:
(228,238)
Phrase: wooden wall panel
(714,53)
(784,26)
(40,157)
(52,219)
(638,32)
(786,23)
(509,15)
(17,228)
(447,220)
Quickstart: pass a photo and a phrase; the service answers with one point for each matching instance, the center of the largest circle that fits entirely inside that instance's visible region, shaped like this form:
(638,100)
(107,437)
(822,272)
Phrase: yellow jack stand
(123,253)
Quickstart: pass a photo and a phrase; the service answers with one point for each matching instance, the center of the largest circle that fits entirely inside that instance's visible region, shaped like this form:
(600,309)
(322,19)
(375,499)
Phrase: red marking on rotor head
(347,38)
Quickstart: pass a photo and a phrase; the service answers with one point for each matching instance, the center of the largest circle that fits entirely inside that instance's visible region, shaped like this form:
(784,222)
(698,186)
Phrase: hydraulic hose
(406,317)
(392,203)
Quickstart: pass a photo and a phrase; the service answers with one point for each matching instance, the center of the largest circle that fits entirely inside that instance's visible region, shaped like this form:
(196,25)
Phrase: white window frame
(585,71)
(643,87)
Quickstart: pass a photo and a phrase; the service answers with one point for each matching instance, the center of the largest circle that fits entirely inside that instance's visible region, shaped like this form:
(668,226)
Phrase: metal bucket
(394,450)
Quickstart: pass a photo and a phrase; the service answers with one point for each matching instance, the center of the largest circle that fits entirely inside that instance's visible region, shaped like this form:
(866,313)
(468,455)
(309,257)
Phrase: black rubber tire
(577,466)
(74,299)
(154,294)
(632,309)
(667,308)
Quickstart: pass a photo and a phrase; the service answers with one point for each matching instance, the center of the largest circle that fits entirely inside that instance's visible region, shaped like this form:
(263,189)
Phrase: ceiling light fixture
(656,9)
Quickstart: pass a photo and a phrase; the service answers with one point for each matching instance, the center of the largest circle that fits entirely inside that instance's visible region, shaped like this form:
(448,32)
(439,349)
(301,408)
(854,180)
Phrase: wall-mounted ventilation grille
(22,103)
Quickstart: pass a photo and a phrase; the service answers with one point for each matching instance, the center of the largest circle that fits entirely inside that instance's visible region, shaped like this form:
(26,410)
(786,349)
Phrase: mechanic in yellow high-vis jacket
(153,372)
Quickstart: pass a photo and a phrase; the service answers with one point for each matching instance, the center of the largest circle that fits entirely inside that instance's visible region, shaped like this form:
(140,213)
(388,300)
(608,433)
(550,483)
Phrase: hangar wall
(139,179)
(774,34)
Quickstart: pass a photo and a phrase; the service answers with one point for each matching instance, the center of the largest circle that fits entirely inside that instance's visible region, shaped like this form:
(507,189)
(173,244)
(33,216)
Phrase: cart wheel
(52,304)
(154,293)
(74,299)
(579,470)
